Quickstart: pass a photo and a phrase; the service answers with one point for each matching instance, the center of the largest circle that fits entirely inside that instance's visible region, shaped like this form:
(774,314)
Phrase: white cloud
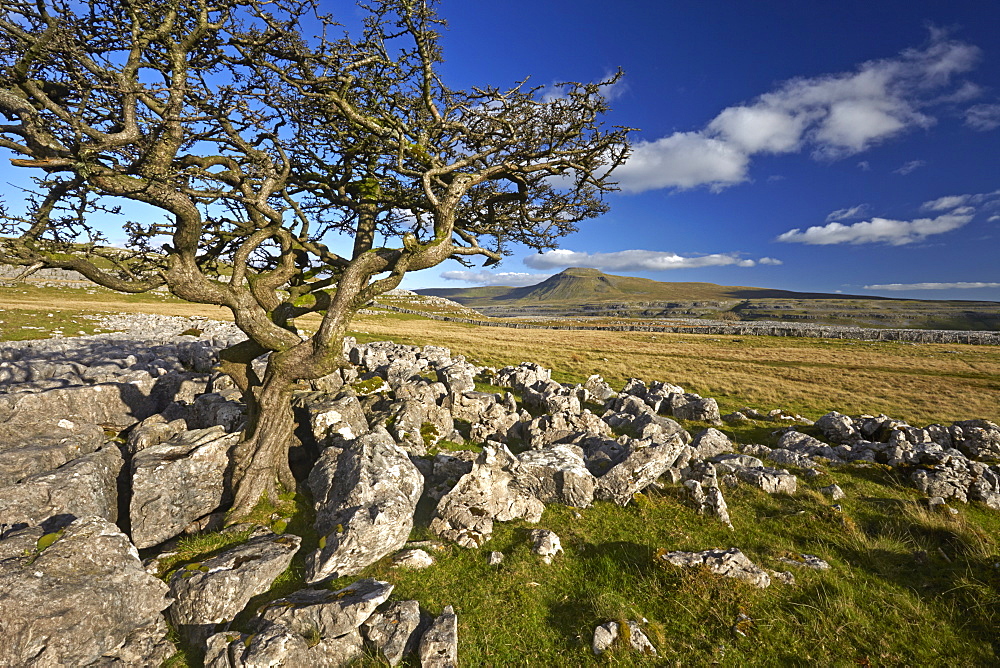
(759,129)
(990,200)
(864,166)
(983,117)
(682,160)
(946,203)
(833,116)
(637,260)
(879,230)
(910,166)
(931,286)
(858,211)
(516,279)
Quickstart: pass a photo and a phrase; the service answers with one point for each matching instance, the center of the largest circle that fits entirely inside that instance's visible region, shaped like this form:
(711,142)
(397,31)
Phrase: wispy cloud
(516,279)
(638,260)
(954,212)
(983,117)
(878,230)
(931,286)
(830,116)
(909,167)
(859,211)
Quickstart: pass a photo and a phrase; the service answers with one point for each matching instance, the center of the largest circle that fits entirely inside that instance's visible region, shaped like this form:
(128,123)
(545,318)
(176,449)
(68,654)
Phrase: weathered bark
(260,467)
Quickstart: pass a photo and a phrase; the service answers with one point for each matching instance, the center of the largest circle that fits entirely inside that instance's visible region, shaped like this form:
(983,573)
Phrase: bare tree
(262,147)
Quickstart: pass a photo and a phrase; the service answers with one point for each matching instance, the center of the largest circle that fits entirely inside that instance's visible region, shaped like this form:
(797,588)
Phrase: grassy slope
(577,285)
(906,587)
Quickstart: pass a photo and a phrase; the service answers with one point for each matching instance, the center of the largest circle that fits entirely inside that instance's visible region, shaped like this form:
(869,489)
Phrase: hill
(577,292)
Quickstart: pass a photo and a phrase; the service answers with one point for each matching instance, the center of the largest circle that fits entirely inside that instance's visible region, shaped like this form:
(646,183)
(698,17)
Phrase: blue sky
(849,146)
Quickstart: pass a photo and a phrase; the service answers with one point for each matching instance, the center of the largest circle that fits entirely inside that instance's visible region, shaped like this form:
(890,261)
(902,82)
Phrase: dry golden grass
(919,383)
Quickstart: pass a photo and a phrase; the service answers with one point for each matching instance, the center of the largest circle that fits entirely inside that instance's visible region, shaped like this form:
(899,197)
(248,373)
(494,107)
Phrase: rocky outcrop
(83,487)
(176,482)
(366,494)
(439,644)
(214,591)
(79,597)
(394,631)
(490,491)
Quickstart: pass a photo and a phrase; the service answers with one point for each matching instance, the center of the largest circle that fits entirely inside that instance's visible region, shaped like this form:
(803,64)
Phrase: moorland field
(908,585)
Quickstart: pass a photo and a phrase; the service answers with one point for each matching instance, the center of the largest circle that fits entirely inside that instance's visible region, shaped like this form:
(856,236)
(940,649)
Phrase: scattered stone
(28,449)
(784,577)
(177,482)
(545,544)
(327,614)
(638,471)
(806,561)
(365,498)
(494,558)
(489,492)
(711,442)
(557,475)
(605,636)
(415,559)
(731,563)
(84,487)
(833,491)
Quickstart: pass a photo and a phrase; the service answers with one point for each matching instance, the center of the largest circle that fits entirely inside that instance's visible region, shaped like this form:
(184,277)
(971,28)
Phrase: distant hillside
(578,292)
(581,285)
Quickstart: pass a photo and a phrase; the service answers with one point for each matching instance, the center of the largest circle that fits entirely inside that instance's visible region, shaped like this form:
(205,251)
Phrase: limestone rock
(545,544)
(557,475)
(833,491)
(365,497)
(152,431)
(334,421)
(324,613)
(84,599)
(217,589)
(640,469)
(489,492)
(37,447)
(710,443)
(394,630)
(86,486)
(177,482)
(599,390)
(439,644)
(277,645)
(731,563)
(605,636)
(772,481)
(806,561)
(117,405)
(522,376)
(413,559)
(838,428)
(701,409)
(446,470)
(980,439)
